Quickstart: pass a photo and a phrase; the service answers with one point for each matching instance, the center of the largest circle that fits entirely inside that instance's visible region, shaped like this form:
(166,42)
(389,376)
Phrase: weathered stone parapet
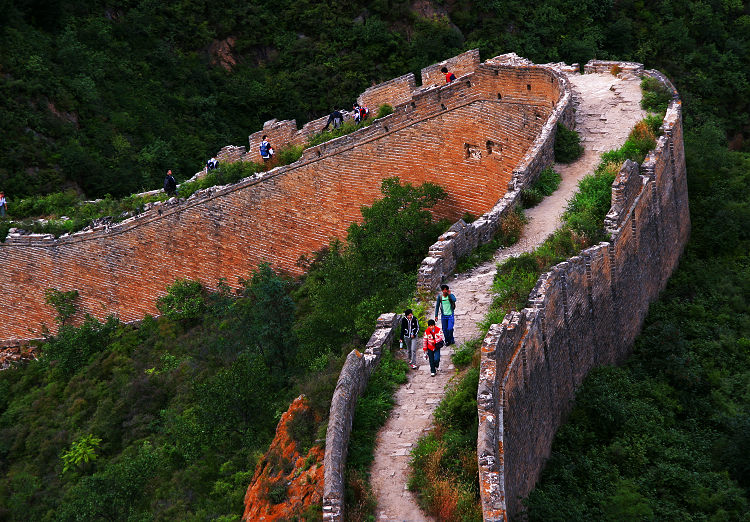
(605,66)
(584,312)
(461,239)
(460,65)
(351,384)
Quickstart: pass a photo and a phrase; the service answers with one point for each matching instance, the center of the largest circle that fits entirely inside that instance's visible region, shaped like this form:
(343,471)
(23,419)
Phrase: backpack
(264,148)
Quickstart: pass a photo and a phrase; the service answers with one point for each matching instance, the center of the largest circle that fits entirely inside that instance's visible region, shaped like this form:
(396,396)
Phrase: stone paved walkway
(607,109)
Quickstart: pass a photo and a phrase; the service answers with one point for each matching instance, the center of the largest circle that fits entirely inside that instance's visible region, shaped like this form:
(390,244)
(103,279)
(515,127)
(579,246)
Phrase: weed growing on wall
(568,146)
(656,96)
(508,233)
(547,183)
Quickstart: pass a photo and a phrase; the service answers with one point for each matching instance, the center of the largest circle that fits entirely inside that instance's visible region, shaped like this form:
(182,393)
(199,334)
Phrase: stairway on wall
(607,108)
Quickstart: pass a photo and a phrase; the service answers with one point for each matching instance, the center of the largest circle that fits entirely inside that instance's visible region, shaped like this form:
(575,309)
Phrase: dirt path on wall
(606,110)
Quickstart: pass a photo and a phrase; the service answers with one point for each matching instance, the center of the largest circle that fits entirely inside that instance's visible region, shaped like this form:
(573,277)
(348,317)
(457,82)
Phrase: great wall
(483,138)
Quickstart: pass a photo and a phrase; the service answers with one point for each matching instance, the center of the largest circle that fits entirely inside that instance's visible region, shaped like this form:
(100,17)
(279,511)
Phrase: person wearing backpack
(433,342)
(409,333)
(266,151)
(335,118)
(170,184)
(212,164)
(449,76)
(3,205)
(445,306)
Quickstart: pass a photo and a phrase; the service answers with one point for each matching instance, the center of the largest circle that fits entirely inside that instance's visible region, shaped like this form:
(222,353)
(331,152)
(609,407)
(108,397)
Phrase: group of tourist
(359,113)
(435,337)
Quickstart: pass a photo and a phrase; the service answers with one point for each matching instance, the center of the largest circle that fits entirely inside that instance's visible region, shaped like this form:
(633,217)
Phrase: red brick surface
(224,232)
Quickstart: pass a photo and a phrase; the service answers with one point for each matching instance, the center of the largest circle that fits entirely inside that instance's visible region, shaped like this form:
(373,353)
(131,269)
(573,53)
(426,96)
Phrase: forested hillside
(152,422)
(104,97)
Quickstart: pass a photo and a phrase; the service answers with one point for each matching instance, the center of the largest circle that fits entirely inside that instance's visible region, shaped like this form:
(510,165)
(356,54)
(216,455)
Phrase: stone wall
(583,313)
(460,65)
(351,384)
(393,92)
(544,97)
(462,238)
(494,115)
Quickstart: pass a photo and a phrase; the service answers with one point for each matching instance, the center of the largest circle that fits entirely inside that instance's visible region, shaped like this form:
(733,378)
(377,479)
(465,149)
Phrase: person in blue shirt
(446,305)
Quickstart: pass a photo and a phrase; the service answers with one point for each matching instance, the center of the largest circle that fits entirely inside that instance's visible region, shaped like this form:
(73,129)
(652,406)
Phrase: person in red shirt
(449,76)
(433,341)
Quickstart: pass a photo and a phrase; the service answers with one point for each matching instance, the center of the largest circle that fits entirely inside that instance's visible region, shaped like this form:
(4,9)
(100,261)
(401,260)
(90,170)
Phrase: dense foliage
(165,421)
(666,437)
(105,98)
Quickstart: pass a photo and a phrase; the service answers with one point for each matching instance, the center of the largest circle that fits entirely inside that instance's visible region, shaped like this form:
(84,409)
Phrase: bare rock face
(222,53)
(287,483)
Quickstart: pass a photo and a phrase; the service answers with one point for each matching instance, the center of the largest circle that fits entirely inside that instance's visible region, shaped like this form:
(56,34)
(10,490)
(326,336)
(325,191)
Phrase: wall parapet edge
(584,312)
(462,238)
(351,384)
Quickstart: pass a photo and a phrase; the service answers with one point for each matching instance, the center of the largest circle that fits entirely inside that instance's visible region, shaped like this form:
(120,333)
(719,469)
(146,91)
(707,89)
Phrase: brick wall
(538,107)
(223,232)
(583,313)
(393,92)
(460,65)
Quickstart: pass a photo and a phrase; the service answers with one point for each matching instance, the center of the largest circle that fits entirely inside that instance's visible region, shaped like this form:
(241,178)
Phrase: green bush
(656,96)
(547,183)
(507,234)
(384,110)
(568,146)
(184,302)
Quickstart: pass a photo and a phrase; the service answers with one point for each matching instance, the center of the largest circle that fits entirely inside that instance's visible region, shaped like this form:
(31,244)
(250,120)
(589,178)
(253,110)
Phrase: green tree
(81,452)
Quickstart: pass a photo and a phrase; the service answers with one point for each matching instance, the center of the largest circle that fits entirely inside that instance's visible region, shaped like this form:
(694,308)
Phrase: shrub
(185,301)
(384,110)
(547,183)
(507,234)
(567,145)
(63,303)
(656,96)
(615,69)
(81,452)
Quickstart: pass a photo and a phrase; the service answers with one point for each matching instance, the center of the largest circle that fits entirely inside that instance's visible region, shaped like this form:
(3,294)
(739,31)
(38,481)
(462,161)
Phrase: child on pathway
(409,332)
(433,341)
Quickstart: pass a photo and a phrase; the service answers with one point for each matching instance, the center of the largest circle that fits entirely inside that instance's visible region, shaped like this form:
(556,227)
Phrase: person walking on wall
(449,76)
(3,205)
(409,333)
(266,151)
(446,305)
(335,118)
(433,341)
(212,164)
(170,184)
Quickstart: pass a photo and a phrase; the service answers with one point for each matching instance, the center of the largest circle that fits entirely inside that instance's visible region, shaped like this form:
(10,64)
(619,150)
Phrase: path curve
(607,108)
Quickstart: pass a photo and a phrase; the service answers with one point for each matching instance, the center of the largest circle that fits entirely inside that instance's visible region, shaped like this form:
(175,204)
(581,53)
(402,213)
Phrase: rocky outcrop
(288,481)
